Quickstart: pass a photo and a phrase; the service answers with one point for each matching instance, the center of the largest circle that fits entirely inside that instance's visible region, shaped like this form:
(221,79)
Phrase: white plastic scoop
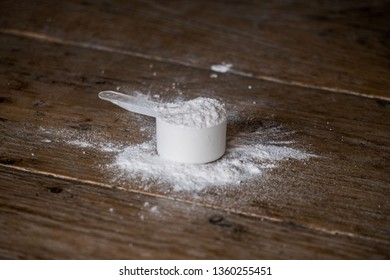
(188,132)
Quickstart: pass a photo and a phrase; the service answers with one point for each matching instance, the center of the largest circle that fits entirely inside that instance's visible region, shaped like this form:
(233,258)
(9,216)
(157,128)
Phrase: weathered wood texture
(343,192)
(54,58)
(45,217)
(340,46)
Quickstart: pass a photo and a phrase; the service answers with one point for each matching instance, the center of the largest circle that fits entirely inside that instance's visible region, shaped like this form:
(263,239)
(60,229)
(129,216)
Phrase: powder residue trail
(81,139)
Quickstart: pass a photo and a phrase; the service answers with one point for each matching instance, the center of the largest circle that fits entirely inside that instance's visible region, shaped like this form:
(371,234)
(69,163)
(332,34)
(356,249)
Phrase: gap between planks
(184,201)
(55,40)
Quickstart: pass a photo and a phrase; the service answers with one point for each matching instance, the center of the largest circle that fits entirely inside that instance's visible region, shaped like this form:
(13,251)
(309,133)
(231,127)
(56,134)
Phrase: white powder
(154,209)
(222,68)
(197,113)
(81,143)
(248,156)
(82,139)
(244,159)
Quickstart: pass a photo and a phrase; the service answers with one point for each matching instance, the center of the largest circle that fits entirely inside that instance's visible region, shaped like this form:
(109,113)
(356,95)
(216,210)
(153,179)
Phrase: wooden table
(318,71)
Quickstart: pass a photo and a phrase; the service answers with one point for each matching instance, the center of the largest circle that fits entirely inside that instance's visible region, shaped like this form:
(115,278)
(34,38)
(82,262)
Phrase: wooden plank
(50,218)
(340,46)
(344,190)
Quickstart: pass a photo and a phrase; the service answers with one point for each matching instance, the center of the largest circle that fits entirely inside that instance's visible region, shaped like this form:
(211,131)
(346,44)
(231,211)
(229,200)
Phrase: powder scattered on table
(221,68)
(248,156)
(243,160)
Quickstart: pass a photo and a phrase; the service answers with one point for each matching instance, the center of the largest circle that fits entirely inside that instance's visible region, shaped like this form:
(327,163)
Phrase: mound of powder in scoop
(197,113)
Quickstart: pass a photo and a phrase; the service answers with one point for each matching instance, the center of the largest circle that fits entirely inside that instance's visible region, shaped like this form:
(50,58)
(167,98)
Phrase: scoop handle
(130,103)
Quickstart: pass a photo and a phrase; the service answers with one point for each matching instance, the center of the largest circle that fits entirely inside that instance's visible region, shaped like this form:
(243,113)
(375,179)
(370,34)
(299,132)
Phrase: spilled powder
(242,161)
(221,68)
(196,113)
(84,139)
(249,155)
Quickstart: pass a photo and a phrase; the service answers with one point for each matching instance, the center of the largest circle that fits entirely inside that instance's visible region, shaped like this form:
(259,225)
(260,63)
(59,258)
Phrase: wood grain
(43,217)
(49,96)
(339,46)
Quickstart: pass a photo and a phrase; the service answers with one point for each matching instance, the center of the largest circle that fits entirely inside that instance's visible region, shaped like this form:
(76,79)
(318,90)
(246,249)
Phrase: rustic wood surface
(60,201)
(340,46)
(101,224)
